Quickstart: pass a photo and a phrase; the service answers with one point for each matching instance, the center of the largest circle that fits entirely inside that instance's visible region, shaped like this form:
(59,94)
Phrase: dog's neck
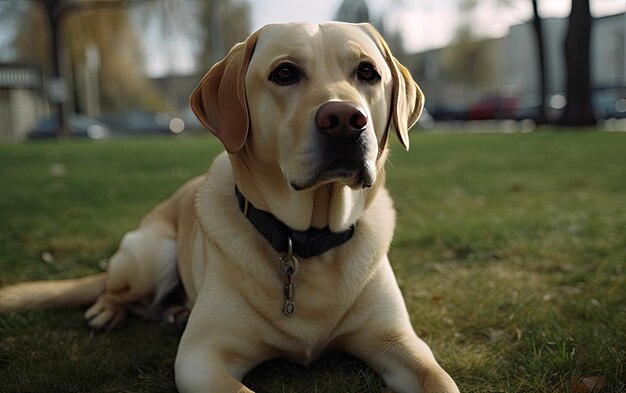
(332,205)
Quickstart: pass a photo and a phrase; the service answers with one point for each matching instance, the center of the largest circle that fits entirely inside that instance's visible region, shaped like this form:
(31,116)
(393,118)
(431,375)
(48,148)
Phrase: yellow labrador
(281,247)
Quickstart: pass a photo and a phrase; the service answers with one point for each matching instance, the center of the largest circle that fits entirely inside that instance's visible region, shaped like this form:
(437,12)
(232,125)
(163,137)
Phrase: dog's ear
(219,101)
(407,100)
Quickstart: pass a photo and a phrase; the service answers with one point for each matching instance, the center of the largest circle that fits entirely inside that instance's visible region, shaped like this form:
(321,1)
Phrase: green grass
(509,249)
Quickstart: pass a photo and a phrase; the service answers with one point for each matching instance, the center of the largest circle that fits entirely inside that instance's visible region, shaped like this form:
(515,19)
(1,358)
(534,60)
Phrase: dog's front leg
(216,349)
(403,360)
(202,370)
(385,339)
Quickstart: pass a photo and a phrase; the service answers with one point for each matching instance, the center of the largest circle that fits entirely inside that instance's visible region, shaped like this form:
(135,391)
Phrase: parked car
(138,122)
(79,125)
(529,106)
(609,102)
(425,120)
(446,112)
(191,121)
(494,107)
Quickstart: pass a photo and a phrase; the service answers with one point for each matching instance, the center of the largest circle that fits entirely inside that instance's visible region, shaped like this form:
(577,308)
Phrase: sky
(426,24)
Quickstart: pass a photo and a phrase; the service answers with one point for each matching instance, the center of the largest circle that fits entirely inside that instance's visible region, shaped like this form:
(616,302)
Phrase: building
(21,99)
(456,77)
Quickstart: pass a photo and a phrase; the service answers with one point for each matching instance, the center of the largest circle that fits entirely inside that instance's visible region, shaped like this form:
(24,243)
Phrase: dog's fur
(278,155)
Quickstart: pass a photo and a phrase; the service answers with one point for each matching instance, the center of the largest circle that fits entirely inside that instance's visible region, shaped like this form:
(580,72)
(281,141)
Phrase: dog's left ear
(407,98)
(219,101)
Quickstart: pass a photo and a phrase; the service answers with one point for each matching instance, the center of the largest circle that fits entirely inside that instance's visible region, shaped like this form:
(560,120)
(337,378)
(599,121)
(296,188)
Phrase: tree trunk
(541,116)
(579,108)
(53,13)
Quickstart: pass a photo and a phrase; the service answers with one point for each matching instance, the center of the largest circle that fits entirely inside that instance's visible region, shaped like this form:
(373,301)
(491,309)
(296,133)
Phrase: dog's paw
(177,317)
(9,299)
(439,382)
(105,315)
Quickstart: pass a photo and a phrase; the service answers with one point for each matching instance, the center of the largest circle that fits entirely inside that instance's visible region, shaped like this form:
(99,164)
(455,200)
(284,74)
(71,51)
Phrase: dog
(281,248)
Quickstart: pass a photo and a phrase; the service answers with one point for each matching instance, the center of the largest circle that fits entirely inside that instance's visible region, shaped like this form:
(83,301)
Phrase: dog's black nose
(340,119)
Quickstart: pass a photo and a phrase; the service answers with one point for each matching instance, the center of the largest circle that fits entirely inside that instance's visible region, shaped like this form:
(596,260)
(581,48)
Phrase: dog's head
(315,101)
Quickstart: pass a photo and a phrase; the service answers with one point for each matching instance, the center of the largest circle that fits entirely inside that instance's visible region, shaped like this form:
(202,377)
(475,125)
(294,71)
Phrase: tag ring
(289,261)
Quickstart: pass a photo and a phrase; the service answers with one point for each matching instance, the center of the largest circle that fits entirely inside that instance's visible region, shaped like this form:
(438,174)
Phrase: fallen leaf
(494,334)
(594,384)
(512,333)
(47,257)
(517,332)
(587,385)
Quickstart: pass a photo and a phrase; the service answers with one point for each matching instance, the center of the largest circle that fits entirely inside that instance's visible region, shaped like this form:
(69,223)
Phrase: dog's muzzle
(343,147)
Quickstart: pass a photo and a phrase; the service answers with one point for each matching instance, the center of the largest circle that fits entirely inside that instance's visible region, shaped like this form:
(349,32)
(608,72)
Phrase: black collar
(306,244)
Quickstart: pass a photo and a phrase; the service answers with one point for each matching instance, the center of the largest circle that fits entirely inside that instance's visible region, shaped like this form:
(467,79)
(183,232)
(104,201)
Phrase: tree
(121,75)
(223,24)
(55,13)
(353,11)
(579,108)
(541,58)
(469,60)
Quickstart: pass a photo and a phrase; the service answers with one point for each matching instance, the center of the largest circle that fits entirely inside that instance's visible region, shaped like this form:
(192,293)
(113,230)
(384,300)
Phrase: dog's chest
(240,274)
(325,293)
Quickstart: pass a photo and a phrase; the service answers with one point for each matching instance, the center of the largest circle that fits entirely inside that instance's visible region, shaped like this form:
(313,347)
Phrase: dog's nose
(340,119)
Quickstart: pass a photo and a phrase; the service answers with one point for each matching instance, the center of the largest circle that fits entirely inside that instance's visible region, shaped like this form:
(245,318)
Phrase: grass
(509,249)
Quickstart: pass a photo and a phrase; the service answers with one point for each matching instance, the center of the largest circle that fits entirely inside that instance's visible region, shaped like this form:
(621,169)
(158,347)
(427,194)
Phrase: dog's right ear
(219,101)
(407,98)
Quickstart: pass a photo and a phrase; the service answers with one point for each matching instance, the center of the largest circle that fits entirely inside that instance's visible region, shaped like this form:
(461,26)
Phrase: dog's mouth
(342,168)
(348,161)
(346,170)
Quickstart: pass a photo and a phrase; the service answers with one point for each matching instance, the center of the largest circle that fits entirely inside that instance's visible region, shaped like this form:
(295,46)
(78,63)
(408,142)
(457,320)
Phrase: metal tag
(290,308)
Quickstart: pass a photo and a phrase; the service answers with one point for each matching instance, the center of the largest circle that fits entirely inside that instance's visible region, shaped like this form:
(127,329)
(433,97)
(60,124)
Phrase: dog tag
(290,308)
(289,291)
(289,269)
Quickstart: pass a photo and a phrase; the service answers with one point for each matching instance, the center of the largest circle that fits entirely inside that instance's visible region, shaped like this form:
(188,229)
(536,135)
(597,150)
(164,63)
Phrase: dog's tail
(59,293)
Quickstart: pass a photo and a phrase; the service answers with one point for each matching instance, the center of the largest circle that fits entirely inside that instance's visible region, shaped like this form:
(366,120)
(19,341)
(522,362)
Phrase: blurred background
(104,68)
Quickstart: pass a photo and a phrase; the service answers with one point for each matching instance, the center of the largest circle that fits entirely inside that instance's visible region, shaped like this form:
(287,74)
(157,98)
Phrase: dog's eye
(367,73)
(285,74)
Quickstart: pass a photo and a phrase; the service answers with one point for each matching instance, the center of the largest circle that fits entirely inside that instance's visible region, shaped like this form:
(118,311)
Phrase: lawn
(510,251)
